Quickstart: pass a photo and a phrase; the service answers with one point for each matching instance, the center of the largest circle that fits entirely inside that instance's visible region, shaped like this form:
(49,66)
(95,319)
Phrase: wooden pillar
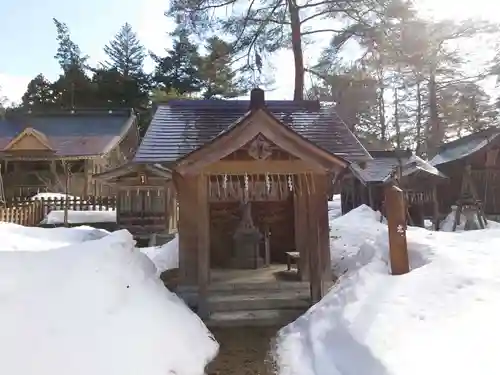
(87,172)
(324,228)
(203,219)
(396,222)
(301,220)
(119,197)
(313,240)
(188,224)
(167,196)
(435,208)
(66,192)
(370,197)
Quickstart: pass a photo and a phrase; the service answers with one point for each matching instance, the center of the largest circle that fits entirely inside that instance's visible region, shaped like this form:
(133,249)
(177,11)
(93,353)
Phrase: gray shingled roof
(465,146)
(183,126)
(81,133)
(379,169)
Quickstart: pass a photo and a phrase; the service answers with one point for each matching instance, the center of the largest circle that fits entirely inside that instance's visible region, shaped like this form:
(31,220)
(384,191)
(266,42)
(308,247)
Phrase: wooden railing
(24,213)
(30,212)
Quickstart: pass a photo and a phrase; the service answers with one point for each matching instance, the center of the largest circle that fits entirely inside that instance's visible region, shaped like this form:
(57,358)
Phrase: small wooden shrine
(257,179)
(146,201)
(252,180)
(472,164)
(417,179)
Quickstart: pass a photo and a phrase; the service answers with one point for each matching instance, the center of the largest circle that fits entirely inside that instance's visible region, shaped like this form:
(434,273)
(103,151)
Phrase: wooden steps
(252,304)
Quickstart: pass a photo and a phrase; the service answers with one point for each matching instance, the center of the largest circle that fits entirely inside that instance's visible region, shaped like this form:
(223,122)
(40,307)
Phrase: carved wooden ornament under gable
(260,148)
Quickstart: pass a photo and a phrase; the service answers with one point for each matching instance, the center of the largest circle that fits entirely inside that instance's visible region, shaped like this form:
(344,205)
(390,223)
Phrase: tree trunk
(381,103)
(298,56)
(396,119)
(436,133)
(381,114)
(419,118)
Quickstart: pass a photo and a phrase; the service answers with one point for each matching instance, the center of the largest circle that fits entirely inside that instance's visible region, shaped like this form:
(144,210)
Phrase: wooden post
(435,206)
(370,197)
(396,220)
(313,243)
(203,246)
(66,170)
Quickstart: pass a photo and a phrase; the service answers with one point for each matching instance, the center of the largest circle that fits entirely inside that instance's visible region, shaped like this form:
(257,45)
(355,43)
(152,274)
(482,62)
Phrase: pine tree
(39,94)
(73,88)
(126,54)
(218,78)
(179,70)
(262,27)
(115,90)
(68,53)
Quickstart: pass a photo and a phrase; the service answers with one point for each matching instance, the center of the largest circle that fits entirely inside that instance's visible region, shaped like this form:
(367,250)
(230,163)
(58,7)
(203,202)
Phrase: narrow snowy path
(243,351)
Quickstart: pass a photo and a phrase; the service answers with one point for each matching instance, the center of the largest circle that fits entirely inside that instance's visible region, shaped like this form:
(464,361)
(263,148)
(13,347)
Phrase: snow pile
(348,233)
(164,257)
(94,308)
(80,217)
(335,207)
(441,318)
(16,237)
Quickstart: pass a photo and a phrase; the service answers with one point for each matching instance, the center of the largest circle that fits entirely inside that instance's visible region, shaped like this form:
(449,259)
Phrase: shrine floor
(275,273)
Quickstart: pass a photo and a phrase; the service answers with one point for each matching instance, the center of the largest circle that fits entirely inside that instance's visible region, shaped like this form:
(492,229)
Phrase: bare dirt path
(243,351)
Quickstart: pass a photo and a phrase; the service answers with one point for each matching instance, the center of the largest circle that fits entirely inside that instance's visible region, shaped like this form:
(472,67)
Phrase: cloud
(13,87)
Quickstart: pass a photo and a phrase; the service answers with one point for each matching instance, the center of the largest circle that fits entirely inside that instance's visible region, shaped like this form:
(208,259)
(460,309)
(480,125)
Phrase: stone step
(253,318)
(242,287)
(259,301)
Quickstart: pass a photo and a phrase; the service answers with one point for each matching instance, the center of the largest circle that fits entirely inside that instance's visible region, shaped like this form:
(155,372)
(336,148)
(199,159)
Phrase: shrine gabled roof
(77,133)
(384,163)
(155,170)
(465,146)
(183,126)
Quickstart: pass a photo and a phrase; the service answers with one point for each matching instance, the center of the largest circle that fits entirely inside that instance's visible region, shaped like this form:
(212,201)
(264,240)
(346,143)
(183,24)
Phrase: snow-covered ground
(79,301)
(441,318)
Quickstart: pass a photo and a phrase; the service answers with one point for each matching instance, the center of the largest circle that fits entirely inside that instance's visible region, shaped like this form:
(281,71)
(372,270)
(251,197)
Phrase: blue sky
(28,41)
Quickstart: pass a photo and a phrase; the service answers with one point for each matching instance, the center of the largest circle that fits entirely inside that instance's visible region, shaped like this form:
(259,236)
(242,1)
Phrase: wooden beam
(203,218)
(396,222)
(262,167)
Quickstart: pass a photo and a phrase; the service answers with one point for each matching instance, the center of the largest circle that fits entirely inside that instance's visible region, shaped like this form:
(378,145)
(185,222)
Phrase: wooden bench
(292,257)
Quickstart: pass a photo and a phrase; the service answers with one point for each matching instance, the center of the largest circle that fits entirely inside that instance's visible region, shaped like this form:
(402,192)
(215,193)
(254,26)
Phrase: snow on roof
(465,146)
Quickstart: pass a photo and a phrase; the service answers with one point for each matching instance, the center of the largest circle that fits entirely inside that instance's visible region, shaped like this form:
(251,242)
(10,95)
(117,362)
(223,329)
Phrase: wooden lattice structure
(146,202)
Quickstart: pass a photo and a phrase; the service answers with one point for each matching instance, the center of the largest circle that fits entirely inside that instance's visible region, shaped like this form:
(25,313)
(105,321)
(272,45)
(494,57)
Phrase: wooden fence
(30,212)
